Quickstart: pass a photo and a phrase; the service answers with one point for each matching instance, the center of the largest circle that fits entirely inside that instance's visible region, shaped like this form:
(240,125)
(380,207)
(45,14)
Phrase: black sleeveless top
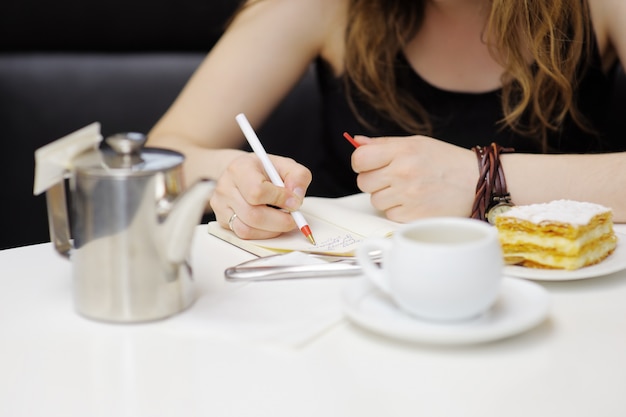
(463,119)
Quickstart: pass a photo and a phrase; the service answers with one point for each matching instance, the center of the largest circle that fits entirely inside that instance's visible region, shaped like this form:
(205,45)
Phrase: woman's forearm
(598,178)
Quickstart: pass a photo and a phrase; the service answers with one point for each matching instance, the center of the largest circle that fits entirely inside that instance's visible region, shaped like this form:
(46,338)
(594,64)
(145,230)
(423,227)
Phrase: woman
(420,82)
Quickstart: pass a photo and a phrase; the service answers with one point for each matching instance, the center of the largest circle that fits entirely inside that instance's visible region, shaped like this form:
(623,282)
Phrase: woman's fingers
(417,176)
(257,188)
(260,206)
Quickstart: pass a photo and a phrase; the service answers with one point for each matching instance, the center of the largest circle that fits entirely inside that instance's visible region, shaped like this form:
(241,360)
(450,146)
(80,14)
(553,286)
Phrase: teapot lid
(127,157)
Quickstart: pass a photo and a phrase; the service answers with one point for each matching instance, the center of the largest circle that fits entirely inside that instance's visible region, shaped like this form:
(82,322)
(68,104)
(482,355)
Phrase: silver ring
(230,222)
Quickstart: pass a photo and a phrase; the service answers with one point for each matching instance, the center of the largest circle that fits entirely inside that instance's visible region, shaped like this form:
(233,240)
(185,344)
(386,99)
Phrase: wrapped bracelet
(492,196)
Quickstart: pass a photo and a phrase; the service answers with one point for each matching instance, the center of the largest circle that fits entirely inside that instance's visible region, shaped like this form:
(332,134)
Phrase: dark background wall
(114,25)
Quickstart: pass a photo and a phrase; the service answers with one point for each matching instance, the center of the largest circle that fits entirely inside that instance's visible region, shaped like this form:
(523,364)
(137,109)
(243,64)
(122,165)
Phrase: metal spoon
(335,266)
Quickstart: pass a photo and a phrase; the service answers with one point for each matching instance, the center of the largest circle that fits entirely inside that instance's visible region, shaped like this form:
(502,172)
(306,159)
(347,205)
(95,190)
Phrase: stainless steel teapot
(131,223)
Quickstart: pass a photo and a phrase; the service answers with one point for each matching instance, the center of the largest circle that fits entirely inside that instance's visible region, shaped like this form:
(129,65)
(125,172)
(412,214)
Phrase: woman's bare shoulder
(321,14)
(609,23)
(318,24)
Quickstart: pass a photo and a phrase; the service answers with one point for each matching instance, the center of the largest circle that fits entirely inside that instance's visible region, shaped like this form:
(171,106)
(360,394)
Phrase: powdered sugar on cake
(562,211)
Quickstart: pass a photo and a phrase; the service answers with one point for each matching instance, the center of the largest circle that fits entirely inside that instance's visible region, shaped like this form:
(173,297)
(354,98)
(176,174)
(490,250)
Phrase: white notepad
(338,224)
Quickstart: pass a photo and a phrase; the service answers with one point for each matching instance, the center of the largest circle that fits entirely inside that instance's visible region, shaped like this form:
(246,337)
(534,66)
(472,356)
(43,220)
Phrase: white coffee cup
(443,269)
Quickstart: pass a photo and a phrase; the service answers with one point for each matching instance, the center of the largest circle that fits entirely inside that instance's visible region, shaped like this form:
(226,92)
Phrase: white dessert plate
(521,306)
(613,263)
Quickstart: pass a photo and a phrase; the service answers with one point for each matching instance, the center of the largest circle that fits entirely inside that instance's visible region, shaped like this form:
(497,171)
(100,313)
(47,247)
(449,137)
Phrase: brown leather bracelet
(491,187)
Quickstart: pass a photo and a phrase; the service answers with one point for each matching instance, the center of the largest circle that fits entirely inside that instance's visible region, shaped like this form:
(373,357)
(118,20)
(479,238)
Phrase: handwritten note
(330,239)
(339,225)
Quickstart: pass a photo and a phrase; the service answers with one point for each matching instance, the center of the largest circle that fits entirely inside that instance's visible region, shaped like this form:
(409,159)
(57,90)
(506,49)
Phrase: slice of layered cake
(562,234)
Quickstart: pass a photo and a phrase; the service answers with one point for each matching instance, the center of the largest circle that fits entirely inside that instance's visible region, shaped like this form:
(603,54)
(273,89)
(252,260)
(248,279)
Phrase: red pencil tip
(351,139)
(306,230)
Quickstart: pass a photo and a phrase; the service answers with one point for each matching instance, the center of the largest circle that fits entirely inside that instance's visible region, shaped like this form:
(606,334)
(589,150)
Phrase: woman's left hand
(416,176)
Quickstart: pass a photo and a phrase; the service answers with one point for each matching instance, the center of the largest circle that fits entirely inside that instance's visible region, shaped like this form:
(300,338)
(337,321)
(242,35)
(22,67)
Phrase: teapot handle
(58,219)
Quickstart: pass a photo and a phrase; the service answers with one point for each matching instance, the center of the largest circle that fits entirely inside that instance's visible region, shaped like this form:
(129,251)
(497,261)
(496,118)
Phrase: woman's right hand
(244,189)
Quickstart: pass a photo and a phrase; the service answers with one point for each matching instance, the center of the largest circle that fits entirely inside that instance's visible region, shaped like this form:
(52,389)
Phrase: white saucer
(520,306)
(613,263)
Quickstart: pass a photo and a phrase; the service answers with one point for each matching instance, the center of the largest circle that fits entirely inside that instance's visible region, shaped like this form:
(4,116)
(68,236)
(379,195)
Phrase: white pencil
(258,149)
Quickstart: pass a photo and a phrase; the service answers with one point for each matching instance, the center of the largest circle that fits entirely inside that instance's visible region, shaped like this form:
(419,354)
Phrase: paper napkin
(288,313)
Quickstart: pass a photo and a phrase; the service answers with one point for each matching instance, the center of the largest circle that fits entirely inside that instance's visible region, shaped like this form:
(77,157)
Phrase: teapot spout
(182,219)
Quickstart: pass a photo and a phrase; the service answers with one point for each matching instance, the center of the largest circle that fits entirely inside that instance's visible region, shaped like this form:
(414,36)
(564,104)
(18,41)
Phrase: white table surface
(53,362)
